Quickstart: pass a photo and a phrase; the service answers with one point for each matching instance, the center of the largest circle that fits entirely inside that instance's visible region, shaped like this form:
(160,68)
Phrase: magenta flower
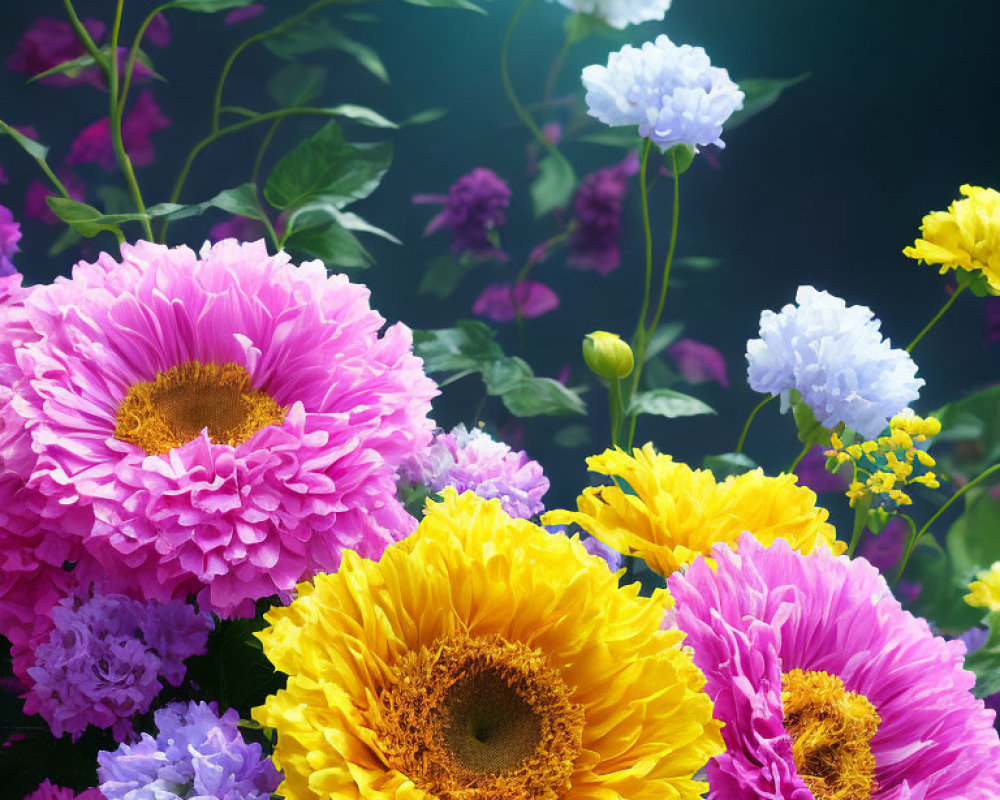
(502,303)
(4,180)
(699,362)
(10,235)
(775,630)
(93,144)
(242,229)
(51,42)
(47,791)
(227,424)
(35,206)
(474,208)
(597,208)
(238,15)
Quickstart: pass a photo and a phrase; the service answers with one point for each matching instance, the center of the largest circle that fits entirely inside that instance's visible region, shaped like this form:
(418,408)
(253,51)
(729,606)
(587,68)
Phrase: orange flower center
(480,719)
(831,731)
(181,402)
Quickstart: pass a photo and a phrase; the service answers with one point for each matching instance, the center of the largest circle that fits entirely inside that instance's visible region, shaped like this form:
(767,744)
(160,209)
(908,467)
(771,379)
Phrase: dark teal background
(825,188)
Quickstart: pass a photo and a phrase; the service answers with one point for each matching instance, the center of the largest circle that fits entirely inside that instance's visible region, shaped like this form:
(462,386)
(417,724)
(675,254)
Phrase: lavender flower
(475,205)
(597,207)
(105,658)
(196,754)
(835,357)
(672,93)
(10,235)
(474,461)
(47,791)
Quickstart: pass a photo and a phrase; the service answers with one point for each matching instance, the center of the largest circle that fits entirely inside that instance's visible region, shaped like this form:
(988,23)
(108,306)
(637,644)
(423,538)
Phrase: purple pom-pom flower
(475,207)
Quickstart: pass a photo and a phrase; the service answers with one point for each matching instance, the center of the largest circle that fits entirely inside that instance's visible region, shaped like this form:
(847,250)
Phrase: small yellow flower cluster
(886,465)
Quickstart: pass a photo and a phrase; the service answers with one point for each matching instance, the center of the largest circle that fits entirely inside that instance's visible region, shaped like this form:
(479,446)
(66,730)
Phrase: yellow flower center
(831,730)
(181,402)
(480,718)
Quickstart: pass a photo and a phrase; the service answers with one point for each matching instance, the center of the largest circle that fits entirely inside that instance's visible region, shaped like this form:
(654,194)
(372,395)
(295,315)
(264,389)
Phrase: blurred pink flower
(4,180)
(51,42)
(699,362)
(144,118)
(10,235)
(35,206)
(243,14)
(500,303)
(597,209)
(242,229)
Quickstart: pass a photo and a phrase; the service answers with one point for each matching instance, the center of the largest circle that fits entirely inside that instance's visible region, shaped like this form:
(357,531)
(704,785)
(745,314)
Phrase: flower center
(181,402)
(831,730)
(472,718)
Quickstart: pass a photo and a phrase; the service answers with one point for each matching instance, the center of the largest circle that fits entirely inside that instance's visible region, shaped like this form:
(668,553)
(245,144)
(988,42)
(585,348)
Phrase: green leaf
(662,338)
(580,25)
(534,396)
(63,242)
(296,85)
(698,263)
(241,201)
(467,346)
(464,4)
(727,464)
(985,662)
(942,589)
(363,116)
(626,136)
(313,34)
(210,6)
(972,540)
(425,116)
(87,220)
(327,168)
(444,275)
(667,403)
(760,94)
(115,200)
(332,243)
(75,67)
(554,185)
(683,155)
(657,375)
(34,149)
(808,427)
(572,436)
(975,418)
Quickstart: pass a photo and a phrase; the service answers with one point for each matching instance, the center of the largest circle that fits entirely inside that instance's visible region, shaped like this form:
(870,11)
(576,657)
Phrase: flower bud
(607,355)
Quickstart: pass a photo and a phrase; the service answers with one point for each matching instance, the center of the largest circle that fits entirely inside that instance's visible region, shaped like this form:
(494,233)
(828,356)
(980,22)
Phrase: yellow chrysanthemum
(677,513)
(985,593)
(483,659)
(966,236)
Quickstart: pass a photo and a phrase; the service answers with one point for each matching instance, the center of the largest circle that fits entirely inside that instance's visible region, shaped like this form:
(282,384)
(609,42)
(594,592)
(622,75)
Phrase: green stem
(909,539)
(529,264)
(746,427)
(639,343)
(934,320)
(508,86)
(124,163)
(236,127)
(675,218)
(860,521)
(133,54)
(84,37)
(798,459)
(227,67)
(940,511)
(616,409)
(550,82)
(262,150)
(43,165)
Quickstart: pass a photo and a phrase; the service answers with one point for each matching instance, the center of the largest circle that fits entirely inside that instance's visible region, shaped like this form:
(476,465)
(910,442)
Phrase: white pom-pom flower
(835,357)
(672,93)
(620,13)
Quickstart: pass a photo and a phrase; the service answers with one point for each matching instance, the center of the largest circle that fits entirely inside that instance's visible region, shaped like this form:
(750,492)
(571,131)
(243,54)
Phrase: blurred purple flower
(105,657)
(884,551)
(992,320)
(144,118)
(46,791)
(4,180)
(243,14)
(35,206)
(597,208)
(242,229)
(812,473)
(528,299)
(158,32)
(475,206)
(699,362)
(51,42)
(10,235)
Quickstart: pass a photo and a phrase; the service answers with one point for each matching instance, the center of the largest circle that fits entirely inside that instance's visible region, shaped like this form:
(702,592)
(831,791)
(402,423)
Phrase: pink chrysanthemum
(806,657)
(229,423)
